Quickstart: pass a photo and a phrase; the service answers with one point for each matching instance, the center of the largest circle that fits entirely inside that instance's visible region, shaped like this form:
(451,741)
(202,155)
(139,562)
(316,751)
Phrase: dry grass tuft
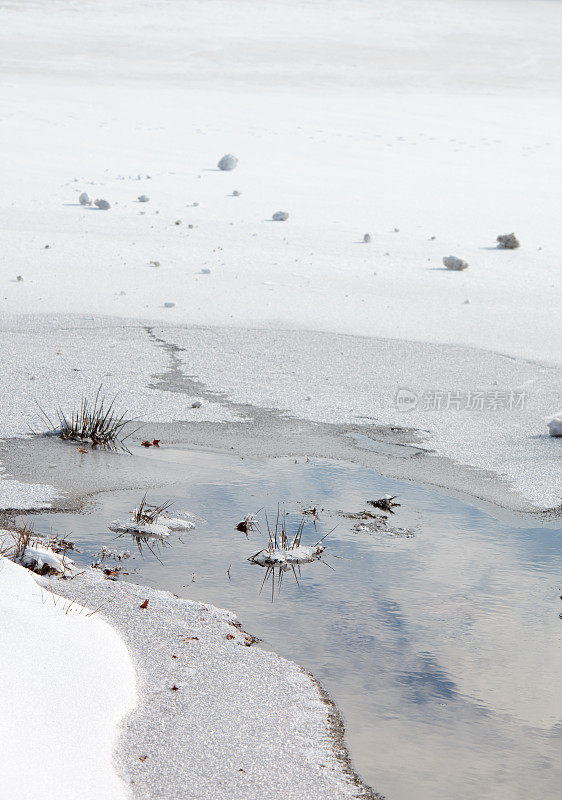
(97,423)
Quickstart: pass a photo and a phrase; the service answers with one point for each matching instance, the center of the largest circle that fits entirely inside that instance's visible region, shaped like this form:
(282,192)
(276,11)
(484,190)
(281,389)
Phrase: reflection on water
(443,651)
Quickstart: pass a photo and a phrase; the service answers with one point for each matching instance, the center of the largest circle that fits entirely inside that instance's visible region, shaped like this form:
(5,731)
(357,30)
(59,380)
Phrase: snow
(66,683)
(278,556)
(161,528)
(373,116)
(36,555)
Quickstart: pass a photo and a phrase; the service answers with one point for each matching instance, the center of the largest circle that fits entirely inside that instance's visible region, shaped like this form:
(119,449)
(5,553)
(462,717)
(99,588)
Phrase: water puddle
(442,649)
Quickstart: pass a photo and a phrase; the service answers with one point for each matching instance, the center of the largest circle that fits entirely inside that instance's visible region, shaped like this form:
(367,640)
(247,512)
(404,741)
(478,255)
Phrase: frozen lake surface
(443,650)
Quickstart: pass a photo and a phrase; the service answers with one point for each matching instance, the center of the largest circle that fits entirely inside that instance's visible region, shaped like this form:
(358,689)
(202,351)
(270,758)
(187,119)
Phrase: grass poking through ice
(95,422)
(147,513)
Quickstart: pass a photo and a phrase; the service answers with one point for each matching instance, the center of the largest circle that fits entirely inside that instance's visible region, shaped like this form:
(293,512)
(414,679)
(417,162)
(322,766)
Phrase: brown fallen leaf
(230,636)
(112,573)
(143,758)
(144,604)
(156,442)
(146,444)
(175,688)
(82,450)
(174,655)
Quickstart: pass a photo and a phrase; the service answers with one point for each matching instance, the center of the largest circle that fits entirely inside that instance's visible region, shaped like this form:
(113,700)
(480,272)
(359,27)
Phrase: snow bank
(36,557)
(66,682)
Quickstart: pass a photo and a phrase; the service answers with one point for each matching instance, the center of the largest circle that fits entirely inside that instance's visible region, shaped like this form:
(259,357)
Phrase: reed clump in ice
(96,423)
(150,526)
(286,549)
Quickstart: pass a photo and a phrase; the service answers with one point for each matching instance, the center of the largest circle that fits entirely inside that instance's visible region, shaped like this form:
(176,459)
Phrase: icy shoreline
(217,734)
(269,393)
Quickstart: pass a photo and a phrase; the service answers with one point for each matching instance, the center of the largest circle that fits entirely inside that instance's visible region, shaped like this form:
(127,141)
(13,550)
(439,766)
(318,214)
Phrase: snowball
(143,198)
(454,263)
(367,238)
(196,404)
(507,241)
(102,204)
(85,199)
(555,426)
(169,305)
(236,193)
(228,162)
(280,216)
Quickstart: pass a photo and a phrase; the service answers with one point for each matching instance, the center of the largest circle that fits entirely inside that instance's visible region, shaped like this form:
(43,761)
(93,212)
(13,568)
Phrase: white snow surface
(66,683)
(435,118)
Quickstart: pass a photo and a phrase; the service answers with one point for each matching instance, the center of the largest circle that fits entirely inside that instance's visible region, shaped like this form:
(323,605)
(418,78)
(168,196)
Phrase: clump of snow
(160,528)
(236,193)
(155,530)
(143,198)
(196,404)
(176,523)
(280,216)
(555,426)
(228,162)
(85,199)
(507,241)
(169,304)
(279,556)
(102,204)
(367,238)
(454,263)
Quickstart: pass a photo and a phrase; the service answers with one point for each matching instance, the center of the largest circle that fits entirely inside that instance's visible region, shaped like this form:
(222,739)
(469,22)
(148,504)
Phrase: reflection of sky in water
(444,651)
